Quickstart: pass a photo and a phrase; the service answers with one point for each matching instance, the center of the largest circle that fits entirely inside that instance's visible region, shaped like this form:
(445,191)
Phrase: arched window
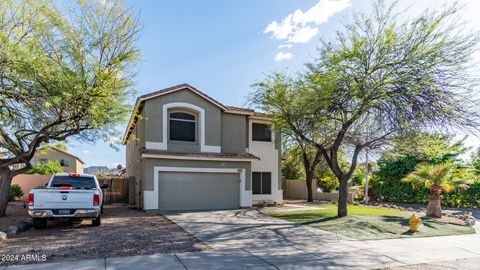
(182,126)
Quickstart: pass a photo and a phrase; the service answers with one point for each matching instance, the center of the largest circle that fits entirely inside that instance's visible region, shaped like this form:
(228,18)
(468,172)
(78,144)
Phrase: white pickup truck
(67,196)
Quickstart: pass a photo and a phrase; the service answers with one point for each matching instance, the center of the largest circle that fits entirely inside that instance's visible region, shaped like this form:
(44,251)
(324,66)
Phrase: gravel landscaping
(14,215)
(124,232)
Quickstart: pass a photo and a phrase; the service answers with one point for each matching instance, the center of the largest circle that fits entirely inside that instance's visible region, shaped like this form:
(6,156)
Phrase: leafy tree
(65,71)
(383,75)
(438,178)
(401,158)
(425,147)
(289,118)
(292,167)
(46,168)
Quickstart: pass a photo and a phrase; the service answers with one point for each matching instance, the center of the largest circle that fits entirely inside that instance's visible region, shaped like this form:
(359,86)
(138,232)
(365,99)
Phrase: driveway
(284,245)
(245,239)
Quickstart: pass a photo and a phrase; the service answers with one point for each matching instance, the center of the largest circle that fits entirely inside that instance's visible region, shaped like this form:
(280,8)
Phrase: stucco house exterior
(70,163)
(187,151)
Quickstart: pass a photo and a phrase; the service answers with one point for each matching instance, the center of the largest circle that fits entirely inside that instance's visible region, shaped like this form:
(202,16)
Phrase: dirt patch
(14,215)
(124,232)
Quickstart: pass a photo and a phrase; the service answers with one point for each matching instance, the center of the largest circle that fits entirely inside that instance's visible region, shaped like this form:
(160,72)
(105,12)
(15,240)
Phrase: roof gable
(183,86)
(140,100)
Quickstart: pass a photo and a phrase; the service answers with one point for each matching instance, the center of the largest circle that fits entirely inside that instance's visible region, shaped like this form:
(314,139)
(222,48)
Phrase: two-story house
(70,163)
(187,151)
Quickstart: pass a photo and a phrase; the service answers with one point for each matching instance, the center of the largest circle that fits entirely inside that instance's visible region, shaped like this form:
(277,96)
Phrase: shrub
(47,168)
(15,191)
(387,187)
(328,183)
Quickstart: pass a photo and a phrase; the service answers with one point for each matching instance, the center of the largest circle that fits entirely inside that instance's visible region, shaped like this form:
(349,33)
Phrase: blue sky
(222,47)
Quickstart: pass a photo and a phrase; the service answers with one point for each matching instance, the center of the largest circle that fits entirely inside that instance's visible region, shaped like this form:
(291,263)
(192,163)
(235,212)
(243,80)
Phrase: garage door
(198,191)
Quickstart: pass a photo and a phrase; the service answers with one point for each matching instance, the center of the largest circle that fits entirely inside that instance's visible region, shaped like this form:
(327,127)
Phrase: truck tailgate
(64,199)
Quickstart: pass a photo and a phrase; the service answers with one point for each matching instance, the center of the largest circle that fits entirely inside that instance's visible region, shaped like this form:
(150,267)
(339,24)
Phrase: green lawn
(366,222)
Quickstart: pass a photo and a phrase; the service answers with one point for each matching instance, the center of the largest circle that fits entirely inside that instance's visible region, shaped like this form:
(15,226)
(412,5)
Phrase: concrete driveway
(281,244)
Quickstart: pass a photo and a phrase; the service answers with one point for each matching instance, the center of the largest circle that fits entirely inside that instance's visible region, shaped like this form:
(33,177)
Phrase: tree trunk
(342,197)
(434,208)
(5,180)
(309,180)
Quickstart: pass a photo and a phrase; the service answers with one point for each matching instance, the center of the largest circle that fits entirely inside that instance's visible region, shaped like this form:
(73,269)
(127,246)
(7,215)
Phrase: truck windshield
(76,182)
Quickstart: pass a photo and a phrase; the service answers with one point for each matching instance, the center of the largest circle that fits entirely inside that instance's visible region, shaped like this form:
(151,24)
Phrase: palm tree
(439,178)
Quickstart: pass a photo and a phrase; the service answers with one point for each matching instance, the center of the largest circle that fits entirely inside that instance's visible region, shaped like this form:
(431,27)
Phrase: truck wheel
(39,223)
(97,221)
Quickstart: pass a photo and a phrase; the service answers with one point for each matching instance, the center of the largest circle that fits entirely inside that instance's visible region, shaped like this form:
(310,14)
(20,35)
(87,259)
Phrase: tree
(281,90)
(425,147)
(382,76)
(292,167)
(438,178)
(65,70)
(46,168)
(402,156)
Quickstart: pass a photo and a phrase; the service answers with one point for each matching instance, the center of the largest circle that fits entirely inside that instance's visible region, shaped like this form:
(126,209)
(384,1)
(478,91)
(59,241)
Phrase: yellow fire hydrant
(414,223)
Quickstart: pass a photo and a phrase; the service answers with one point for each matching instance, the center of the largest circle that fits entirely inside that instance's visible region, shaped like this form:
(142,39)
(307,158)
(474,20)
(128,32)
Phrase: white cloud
(303,35)
(299,21)
(283,56)
(86,152)
(283,46)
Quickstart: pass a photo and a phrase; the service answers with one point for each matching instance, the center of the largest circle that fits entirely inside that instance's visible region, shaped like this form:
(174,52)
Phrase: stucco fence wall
(297,190)
(28,182)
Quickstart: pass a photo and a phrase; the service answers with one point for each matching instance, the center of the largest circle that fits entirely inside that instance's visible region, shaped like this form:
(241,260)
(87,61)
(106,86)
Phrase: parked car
(67,196)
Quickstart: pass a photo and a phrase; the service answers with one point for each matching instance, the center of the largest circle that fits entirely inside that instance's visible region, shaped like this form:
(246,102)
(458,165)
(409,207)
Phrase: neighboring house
(187,151)
(69,162)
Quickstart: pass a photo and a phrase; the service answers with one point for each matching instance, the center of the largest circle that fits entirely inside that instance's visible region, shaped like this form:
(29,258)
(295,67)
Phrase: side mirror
(104,186)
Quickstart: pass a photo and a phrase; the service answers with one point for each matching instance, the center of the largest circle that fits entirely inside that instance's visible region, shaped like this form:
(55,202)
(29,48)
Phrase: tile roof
(233,108)
(205,155)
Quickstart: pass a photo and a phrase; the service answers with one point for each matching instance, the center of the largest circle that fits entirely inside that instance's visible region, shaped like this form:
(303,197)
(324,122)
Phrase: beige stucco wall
(28,182)
(297,190)
(75,166)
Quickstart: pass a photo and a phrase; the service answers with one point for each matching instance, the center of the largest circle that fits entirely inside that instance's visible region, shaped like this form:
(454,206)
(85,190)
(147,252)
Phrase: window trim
(195,121)
(261,183)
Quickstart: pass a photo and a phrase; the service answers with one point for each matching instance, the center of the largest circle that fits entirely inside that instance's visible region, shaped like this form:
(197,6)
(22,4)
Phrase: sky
(223,47)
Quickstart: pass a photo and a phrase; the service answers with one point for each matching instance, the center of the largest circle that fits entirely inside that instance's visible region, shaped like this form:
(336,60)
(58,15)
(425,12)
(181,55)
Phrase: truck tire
(97,222)
(39,223)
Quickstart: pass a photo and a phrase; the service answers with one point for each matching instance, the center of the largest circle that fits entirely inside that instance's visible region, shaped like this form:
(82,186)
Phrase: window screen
(261,183)
(261,132)
(182,127)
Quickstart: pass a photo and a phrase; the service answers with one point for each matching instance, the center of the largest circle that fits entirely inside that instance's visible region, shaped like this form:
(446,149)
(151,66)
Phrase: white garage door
(198,191)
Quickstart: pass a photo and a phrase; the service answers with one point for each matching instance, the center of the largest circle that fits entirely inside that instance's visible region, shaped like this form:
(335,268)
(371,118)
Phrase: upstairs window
(64,162)
(182,127)
(261,132)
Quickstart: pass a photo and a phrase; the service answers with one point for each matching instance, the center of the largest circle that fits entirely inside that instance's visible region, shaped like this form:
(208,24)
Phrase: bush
(387,187)
(15,191)
(328,183)
(47,168)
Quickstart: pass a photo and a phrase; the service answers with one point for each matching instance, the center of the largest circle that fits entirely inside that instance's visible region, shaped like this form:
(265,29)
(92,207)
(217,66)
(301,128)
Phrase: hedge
(387,187)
